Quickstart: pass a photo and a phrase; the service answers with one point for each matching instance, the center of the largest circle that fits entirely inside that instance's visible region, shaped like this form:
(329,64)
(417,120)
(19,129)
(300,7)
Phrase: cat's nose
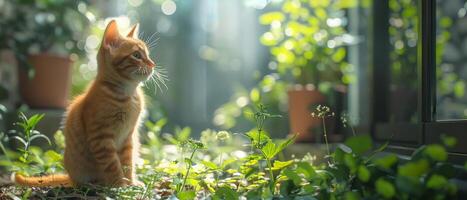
(150,63)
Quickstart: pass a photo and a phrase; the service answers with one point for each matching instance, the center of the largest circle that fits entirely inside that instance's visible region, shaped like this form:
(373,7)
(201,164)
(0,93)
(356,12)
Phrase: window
(418,68)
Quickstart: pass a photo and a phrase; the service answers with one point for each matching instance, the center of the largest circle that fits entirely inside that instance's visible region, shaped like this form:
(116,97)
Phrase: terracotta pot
(50,86)
(301,101)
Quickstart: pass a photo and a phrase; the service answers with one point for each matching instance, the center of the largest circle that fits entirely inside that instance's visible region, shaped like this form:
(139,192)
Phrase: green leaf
(339,154)
(292,175)
(345,4)
(437,182)
(226,193)
(183,134)
(53,156)
(186,195)
(278,165)
(255,136)
(306,169)
(270,17)
(20,140)
(350,161)
(436,152)
(459,89)
(210,164)
(385,188)
(285,144)
(359,144)
(269,150)
(40,136)
(339,55)
(352,196)
(363,173)
(414,168)
(449,141)
(386,162)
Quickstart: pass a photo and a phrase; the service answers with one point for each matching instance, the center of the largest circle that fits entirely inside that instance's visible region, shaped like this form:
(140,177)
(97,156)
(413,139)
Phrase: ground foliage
(223,165)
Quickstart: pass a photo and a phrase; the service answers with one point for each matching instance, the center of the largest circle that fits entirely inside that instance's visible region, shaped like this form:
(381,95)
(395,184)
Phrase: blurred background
(223,58)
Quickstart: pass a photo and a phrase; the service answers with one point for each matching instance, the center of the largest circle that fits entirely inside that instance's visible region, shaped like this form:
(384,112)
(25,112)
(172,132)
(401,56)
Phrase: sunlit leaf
(209,164)
(436,182)
(339,55)
(385,188)
(269,150)
(414,168)
(270,17)
(436,152)
(278,165)
(343,4)
(449,141)
(386,162)
(363,173)
(186,195)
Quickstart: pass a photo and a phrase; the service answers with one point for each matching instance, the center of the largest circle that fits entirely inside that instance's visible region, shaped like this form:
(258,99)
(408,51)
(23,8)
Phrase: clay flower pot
(50,86)
(301,100)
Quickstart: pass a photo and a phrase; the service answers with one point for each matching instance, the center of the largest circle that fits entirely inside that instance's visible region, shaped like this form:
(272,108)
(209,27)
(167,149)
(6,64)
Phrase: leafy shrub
(221,165)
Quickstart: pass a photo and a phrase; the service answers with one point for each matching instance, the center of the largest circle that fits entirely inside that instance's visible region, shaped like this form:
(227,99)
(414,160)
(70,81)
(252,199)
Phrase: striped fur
(101,125)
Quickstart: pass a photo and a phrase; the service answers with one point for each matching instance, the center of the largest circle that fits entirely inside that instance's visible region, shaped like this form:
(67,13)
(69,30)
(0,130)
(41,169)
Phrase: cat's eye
(136,55)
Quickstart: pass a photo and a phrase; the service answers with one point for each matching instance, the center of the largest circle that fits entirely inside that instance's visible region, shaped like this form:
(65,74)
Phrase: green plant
(192,145)
(28,134)
(323,112)
(30,27)
(308,40)
(267,148)
(31,159)
(359,170)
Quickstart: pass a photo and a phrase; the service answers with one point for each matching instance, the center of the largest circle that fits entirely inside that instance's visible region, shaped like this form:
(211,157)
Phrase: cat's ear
(111,35)
(134,31)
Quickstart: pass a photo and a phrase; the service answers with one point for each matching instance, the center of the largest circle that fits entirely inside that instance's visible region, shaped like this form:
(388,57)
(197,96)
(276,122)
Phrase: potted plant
(42,35)
(308,42)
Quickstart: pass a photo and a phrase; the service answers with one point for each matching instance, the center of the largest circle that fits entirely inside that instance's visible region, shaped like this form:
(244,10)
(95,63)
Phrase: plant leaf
(278,165)
(226,193)
(385,188)
(359,144)
(40,136)
(186,195)
(210,164)
(20,140)
(285,144)
(269,150)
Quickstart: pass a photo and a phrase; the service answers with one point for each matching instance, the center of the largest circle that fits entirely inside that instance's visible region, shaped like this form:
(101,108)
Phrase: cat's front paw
(137,183)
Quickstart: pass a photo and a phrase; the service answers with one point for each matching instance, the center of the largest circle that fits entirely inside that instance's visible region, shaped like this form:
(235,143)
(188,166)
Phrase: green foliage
(217,167)
(30,27)
(306,37)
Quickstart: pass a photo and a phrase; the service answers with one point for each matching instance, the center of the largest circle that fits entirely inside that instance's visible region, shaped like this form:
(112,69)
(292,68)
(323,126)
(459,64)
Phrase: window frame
(404,138)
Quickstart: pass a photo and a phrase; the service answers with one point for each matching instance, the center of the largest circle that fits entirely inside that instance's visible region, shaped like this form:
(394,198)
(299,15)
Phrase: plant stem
(4,151)
(151,184)
(188,170)
(271,176)
(326,136)
(217,174)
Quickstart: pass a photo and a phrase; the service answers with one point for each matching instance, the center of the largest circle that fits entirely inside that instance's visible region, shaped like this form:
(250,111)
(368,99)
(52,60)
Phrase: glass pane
(403,98)
(451,59)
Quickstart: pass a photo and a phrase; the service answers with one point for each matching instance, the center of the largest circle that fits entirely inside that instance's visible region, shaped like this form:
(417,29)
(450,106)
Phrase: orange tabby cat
(101,124)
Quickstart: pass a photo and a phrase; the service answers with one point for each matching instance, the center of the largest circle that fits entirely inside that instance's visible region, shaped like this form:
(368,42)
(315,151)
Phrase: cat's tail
(52,180)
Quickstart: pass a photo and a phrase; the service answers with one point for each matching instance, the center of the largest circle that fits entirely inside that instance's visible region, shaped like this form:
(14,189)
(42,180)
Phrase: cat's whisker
(150,39)
(153,43)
